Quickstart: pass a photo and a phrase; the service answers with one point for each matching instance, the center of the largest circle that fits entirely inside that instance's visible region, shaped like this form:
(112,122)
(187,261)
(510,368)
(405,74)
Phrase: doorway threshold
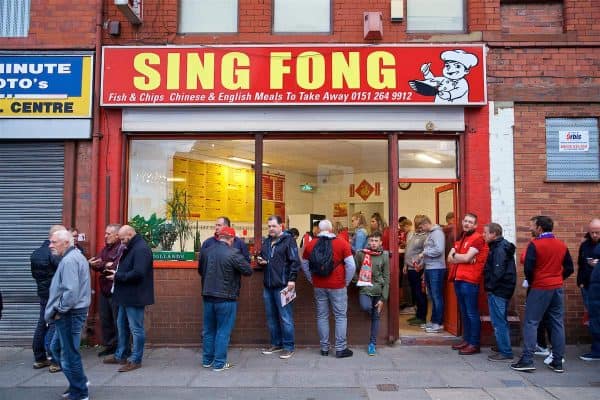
(428,339)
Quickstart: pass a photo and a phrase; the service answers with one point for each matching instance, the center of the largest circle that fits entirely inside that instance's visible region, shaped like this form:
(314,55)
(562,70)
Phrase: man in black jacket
(585,258)
(279,257)
(133,290)
(500,278)
(43,267)
(220,267)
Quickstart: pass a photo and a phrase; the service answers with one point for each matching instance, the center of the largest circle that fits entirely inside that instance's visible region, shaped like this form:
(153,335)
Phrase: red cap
(227,231)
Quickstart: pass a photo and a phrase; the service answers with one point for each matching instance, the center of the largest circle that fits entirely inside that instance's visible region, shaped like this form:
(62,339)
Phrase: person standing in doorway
(68,303)
(547,264)
(279,258)
(133,290)
(500,279)
(414,269)
(43,267)
(359,238)
(221,268)
(469,254)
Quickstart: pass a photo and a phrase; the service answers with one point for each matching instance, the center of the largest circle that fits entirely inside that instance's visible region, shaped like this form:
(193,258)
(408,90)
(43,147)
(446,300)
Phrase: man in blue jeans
(220,266)
(68,302)
(279,258)
(133,290)
(500,279)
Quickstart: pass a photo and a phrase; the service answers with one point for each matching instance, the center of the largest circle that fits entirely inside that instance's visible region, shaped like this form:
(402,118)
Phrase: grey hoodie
(70,288)
(433,252)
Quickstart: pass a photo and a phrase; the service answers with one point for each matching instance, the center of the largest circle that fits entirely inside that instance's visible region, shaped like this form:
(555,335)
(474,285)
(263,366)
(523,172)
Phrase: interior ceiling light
(427,158)
(175,179)
(245,161)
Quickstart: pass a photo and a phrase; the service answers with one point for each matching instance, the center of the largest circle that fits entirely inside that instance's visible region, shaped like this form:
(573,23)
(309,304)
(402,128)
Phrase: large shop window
(572,149)
(307,16)
(435,16)
(314,179)
(14,18)
(178,188)
(427,159)
(208,16)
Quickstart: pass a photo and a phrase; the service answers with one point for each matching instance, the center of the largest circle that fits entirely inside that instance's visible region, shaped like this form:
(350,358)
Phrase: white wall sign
(573,141)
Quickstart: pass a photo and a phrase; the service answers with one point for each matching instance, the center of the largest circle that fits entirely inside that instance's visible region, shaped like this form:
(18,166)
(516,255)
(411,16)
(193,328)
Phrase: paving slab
(579,393)
(409,394)
(458,394)
(529,393)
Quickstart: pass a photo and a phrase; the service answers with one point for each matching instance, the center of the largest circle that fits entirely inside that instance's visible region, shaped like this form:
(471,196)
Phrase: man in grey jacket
(435,272)
(70,297)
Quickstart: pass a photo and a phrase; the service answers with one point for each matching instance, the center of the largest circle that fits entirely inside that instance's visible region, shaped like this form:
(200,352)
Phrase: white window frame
(198,16)
(296,17)
(435,25)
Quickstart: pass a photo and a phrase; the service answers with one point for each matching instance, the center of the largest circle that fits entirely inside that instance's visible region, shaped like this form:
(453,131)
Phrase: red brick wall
(532,17)
(176,317)
(58,24)
(569,204)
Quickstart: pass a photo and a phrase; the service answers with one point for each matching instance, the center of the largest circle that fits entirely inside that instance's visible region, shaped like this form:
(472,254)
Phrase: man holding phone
(105,263)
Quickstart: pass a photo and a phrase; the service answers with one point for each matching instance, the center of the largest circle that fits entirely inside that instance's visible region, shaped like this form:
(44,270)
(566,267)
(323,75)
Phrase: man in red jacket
(547,264)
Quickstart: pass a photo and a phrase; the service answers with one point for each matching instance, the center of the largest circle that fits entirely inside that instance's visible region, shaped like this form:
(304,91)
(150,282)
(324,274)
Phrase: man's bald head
(126,232)
(594,229)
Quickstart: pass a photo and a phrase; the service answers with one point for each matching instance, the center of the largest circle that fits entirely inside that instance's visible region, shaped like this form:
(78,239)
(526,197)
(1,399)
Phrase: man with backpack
(279,258)
(329,265)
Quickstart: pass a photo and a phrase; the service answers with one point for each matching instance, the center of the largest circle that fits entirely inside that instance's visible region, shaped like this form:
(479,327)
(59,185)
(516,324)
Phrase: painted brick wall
(569,204)
(176,317)
(58,24)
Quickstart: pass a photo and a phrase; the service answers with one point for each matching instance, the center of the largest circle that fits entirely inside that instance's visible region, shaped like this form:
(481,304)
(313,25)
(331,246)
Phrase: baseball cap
(227,231)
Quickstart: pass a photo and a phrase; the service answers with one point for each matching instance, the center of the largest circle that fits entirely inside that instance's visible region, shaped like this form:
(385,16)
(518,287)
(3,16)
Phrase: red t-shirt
(385,238)
(467,272)
(337,279)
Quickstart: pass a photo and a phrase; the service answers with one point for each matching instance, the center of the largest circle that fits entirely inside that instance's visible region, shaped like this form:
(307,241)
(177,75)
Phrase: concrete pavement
(407,372)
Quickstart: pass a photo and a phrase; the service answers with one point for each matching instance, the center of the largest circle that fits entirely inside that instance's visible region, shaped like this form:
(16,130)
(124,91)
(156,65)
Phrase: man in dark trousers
(43,267)
(133,290)
(238,243)
(593,291)
(105,263)
(547,264)
(221,267)
(500,279)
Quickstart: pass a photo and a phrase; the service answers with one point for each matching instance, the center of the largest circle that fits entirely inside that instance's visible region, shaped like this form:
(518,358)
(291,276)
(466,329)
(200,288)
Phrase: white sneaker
(549,359)
(428,325)
(541,351)
(435,328)
(224,367)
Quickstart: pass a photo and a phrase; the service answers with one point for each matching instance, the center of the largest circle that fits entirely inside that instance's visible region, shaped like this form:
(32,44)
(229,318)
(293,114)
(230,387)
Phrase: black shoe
(523,366)
(107,352)
(556,366)
(344,353)
(325,353)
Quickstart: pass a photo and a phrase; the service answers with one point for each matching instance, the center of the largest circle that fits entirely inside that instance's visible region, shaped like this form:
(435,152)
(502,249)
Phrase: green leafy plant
(178,210)
(167,236)
(147,228)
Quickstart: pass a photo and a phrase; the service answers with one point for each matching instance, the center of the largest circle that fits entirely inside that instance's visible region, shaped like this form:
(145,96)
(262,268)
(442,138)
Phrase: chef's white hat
(467,59)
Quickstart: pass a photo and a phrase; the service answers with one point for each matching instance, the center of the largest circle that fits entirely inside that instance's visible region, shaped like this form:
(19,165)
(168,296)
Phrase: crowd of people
(331,260)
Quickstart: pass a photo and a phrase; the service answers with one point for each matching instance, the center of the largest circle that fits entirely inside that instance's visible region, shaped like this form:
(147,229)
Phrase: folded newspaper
(287,296)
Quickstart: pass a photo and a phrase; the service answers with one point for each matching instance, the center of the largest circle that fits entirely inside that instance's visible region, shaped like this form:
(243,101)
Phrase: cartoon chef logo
(452,87)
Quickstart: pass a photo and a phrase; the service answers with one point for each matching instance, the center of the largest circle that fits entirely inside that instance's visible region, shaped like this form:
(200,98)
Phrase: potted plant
(178,210)
(197,242)
(147,228)
(167,235)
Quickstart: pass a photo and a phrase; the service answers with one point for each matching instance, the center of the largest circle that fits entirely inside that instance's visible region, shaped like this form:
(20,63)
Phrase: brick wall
(176,317)
(532,17)
(569,204)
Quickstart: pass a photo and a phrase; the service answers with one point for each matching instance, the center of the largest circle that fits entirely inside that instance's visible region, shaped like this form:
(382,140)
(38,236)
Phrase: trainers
(113,360)
(54,368)
(286,354)
(130,366)
(207,365)
(500,358)
(541,351)
(66,393)
(416,322)
(523,366)
(434,328)
(41,364)
(272,350)
(589,357)
(107,351)
(556,366)
(344,353)
(371,349)
(549,359)
(425,326)
(224,367)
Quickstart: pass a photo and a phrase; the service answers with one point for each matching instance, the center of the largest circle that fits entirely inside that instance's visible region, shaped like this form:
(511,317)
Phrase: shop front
(45,105)
(252,131)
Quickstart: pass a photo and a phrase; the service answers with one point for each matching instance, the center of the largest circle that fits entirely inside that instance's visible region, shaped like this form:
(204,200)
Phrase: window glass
(572,149)
(302,16)
(207,16)
(427,159)
(435,16)
(14,18)
(213,178)
(318,183)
